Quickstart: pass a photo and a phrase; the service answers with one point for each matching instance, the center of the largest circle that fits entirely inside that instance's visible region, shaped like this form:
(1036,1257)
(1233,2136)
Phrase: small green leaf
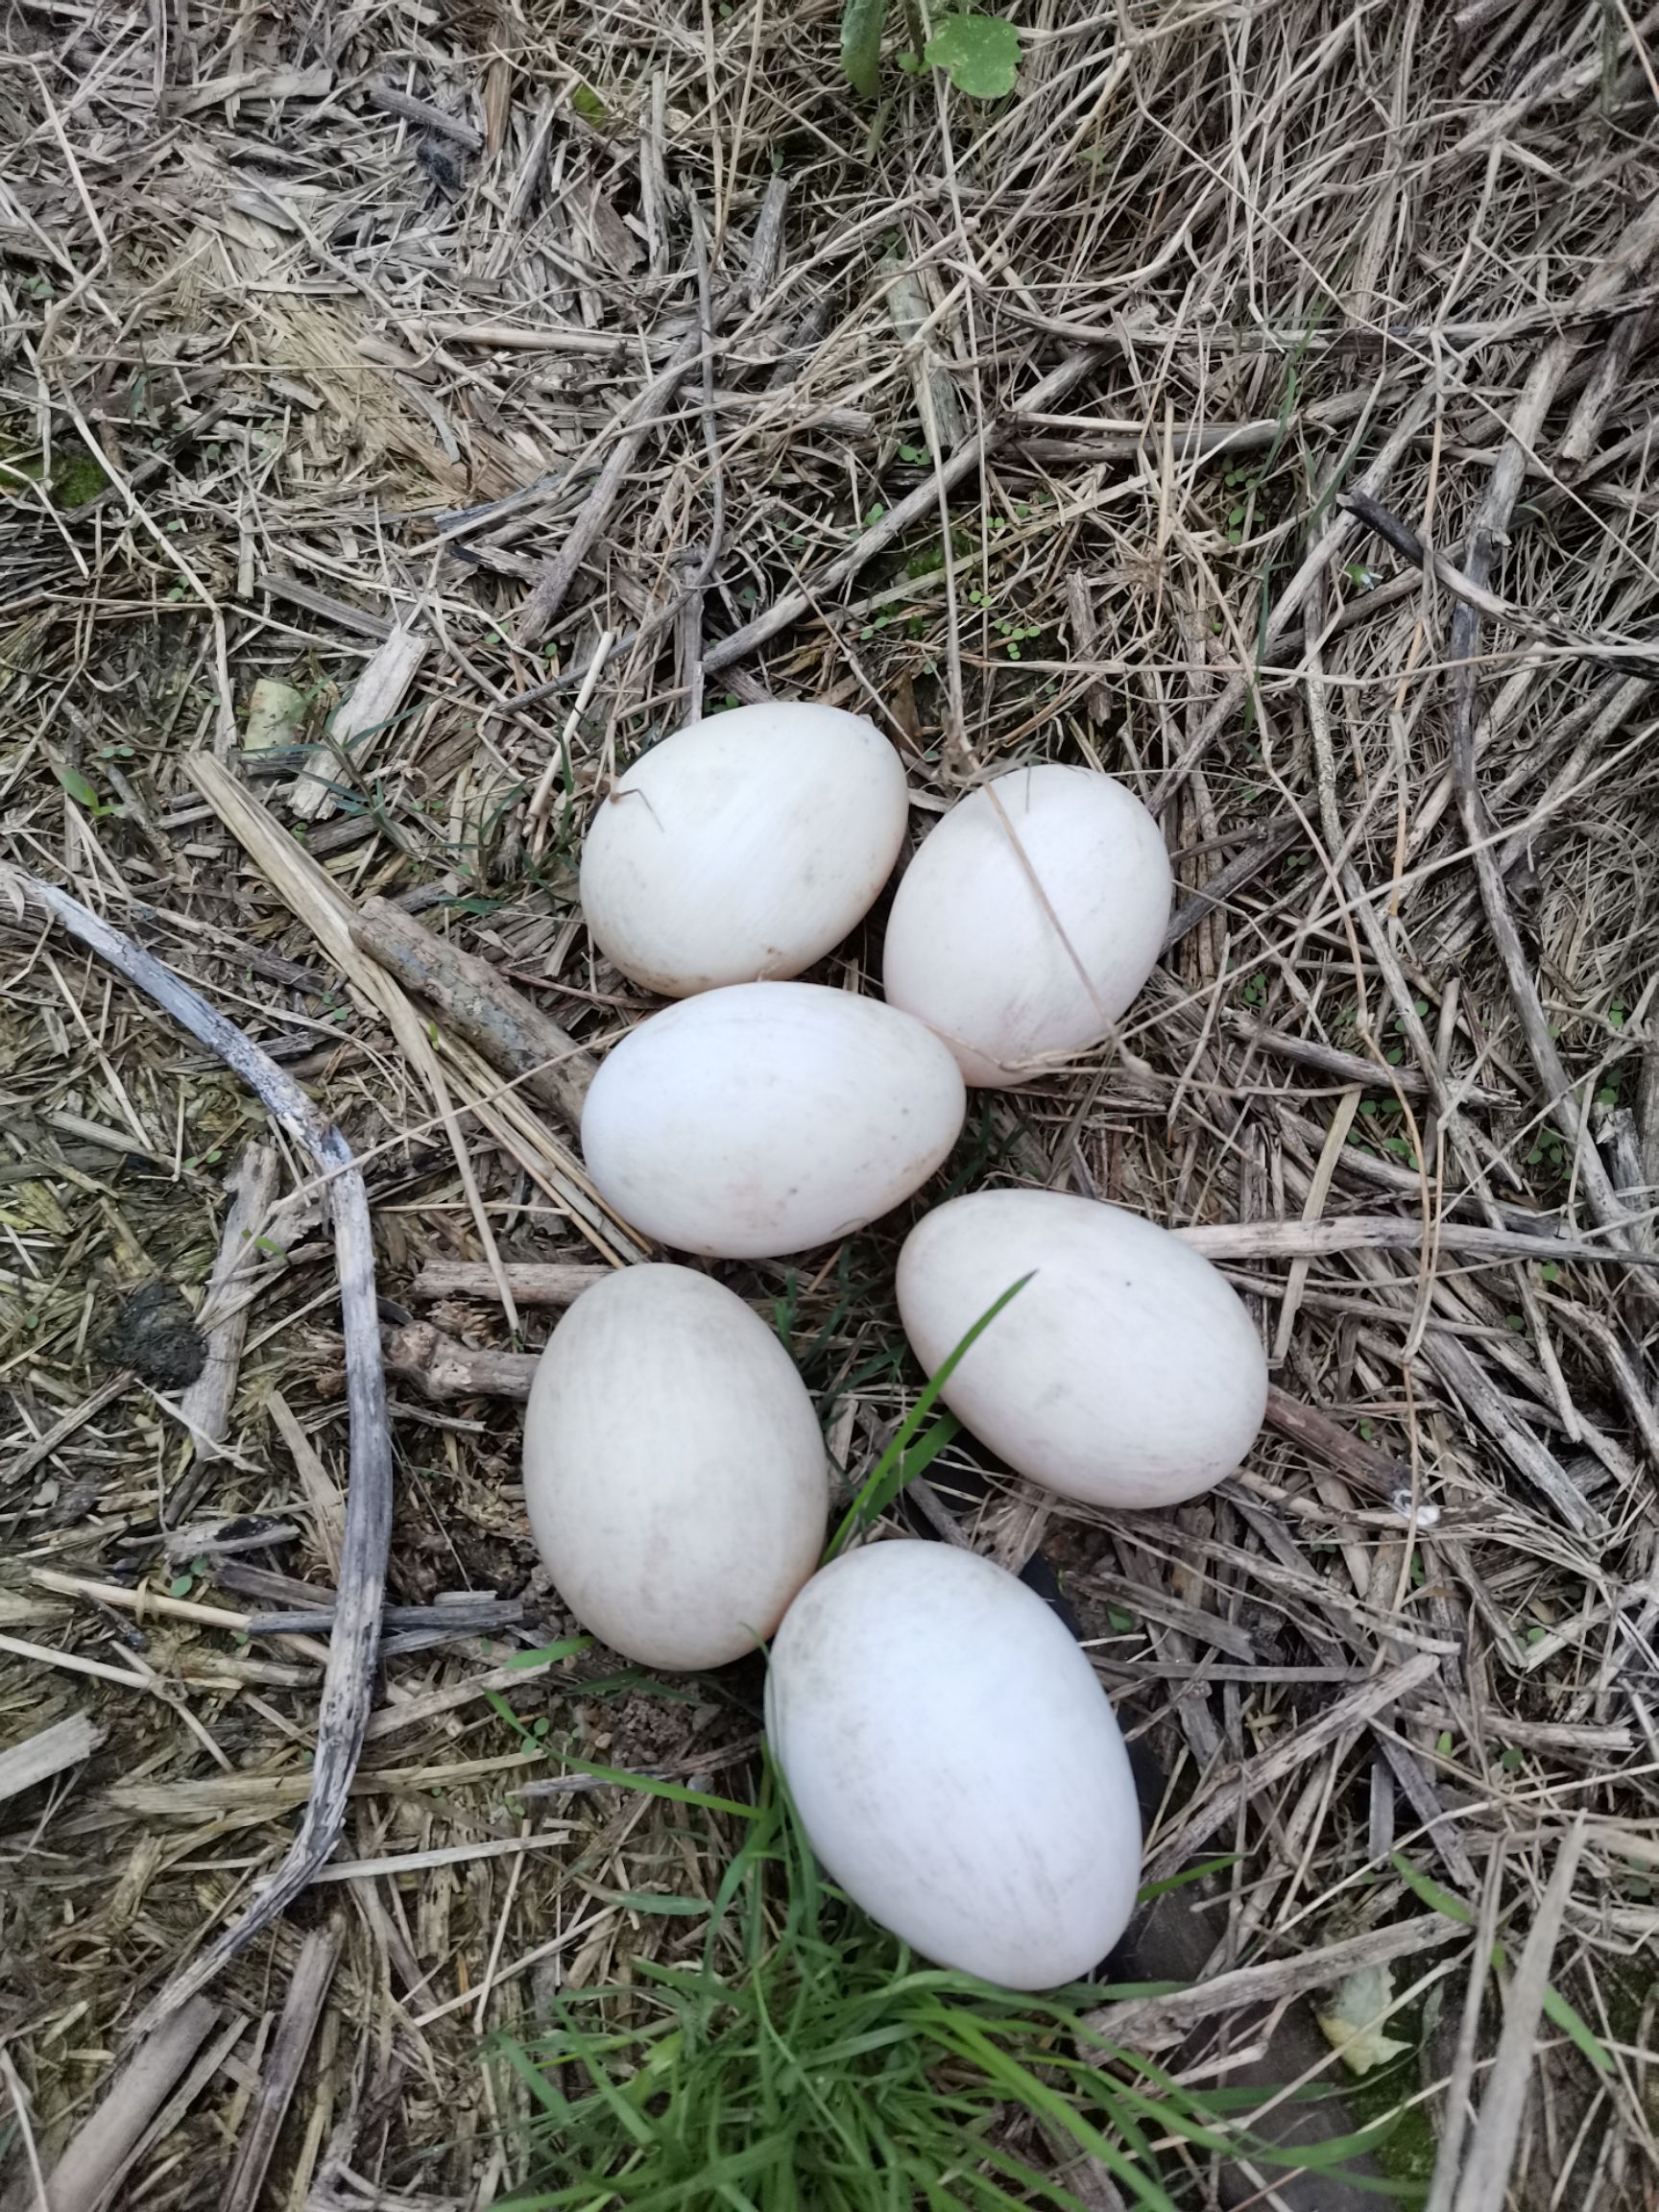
(1122,1622)
(655,1900)
(1150,1889)
(1571,2024)
(1607,1095)
(588,104)
(980,52)
(181,1585)
(544,1654)
(1443,1742)
(862,22)
(76,786)
(1430,1893)
(649,1785)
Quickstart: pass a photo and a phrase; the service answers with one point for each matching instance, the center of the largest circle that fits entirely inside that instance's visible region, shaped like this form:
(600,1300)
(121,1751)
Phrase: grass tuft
(808,2060)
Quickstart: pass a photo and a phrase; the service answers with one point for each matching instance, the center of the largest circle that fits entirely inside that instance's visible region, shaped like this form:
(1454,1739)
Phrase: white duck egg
(744,847)
(955,1764)
(768,1118)
(1126,1372)
(674,1472)
(1030,917)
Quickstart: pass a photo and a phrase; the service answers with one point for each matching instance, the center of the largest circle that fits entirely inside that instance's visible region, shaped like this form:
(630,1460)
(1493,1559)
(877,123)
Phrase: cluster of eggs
(952,1757)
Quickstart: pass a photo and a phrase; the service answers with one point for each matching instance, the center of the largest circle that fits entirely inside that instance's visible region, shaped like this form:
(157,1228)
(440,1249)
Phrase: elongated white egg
(955,1764)
(674,1472)
(1125,1373)
(1030,917)
(743,846)
(768,1118)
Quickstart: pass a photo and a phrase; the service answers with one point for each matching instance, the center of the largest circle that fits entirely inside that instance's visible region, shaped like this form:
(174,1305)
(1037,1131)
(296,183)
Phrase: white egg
(674,1472)
(955,1764)
(743,846)
(1029,918)
(1125,1373)
(768,1118)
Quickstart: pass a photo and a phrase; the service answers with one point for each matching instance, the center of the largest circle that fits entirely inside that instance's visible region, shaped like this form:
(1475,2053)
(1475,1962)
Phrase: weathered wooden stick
(559,1282)
(395,102)
(47,1752)
(313,1972)
(1376,1231)
(438,1367)
(91,2168)
(1473,592)
(552,1282)
(1328,1440)
(1347,1067)
(1484,2186)
(936,396)
(348,1683)
(1147,2023)
(510,1031)
(1257,854)
(205,1407)
(375,698)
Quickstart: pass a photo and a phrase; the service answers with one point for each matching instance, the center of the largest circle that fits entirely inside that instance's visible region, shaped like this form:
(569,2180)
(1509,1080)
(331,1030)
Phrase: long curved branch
(347,1683)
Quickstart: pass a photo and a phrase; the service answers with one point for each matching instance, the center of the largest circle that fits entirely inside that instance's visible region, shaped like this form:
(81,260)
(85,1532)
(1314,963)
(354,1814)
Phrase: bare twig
(1147,2023)
(510,1031)
(90,2169)
(398,103)
(279,2075)
(1485,2183)
(205,1407)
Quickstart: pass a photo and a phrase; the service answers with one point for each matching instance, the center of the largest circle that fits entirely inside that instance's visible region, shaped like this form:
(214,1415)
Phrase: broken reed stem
(508,1028)
(99,2154)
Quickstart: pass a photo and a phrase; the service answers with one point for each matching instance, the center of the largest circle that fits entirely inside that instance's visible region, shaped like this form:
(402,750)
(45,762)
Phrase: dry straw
(1257,403)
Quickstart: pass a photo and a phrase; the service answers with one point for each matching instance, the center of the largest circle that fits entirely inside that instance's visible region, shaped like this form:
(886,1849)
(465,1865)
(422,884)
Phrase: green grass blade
(652,1788)
(888,1477)
(1574,2025)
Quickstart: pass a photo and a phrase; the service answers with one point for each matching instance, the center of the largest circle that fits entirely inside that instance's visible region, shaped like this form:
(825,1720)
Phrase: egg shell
(1031,879)
(743,846)
(768,1118)
(674,1472)
(1126,1372)
(955,1764)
